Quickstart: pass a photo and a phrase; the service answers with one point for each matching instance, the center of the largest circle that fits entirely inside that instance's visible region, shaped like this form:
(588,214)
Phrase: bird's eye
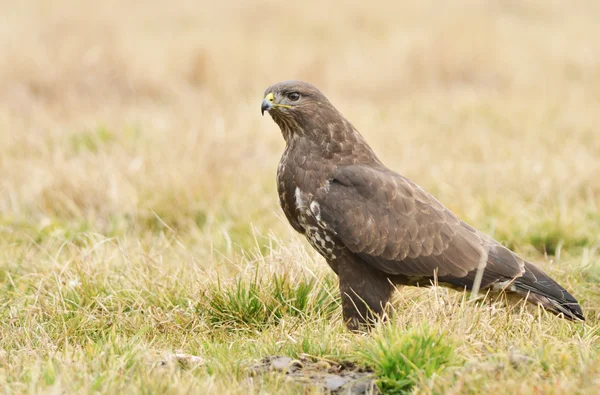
(294,96)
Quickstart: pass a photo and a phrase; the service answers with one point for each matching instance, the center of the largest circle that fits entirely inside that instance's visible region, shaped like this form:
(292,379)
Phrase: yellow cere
(270,97)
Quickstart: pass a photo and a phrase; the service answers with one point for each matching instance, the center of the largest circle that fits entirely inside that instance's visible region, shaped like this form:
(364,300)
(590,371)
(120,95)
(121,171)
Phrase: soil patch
(337,378)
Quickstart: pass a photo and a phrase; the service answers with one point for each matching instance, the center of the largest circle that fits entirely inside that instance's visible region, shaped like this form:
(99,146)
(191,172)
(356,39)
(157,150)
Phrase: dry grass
(138,211)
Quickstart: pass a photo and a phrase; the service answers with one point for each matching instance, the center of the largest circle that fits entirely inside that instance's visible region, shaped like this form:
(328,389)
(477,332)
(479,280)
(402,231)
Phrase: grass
(402,358)
(139,215)
(259,304)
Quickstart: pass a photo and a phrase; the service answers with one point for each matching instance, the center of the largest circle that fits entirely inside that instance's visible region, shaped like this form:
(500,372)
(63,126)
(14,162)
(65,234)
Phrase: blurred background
(131,117)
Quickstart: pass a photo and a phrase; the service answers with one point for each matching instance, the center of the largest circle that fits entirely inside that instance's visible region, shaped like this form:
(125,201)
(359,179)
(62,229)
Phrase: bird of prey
(378,229)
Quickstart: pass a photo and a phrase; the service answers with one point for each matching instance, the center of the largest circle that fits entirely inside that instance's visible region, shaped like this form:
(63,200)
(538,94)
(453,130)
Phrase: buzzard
(378,229)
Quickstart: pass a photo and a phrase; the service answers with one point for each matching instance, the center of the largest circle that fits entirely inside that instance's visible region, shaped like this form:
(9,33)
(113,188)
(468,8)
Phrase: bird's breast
(285,189)
(301,174)
(320,236)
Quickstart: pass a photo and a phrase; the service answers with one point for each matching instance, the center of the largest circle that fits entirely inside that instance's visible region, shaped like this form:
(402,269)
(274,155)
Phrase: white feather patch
(299,201)
(316,210)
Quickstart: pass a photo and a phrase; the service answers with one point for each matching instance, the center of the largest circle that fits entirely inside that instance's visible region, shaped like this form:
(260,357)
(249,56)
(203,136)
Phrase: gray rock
(285,364)
(333,383)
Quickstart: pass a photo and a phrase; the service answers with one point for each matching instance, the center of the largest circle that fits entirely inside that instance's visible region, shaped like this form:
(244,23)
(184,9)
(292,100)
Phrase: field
(139,216)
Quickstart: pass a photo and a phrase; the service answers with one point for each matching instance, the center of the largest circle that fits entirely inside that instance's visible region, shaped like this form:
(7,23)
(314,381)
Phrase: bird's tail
(539,288)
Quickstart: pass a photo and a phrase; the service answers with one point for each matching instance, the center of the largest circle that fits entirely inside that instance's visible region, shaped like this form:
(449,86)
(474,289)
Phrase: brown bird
(376,228)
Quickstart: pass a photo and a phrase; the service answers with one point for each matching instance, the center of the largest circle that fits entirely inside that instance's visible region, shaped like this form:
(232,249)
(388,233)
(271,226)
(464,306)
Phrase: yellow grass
(137,181)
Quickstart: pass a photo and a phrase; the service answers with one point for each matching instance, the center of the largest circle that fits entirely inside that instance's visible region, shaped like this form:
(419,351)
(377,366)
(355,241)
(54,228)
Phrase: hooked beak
(267,103)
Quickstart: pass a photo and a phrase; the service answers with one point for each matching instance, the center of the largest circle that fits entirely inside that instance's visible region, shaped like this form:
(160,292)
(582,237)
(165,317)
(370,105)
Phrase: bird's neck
(289,128)
(336,141)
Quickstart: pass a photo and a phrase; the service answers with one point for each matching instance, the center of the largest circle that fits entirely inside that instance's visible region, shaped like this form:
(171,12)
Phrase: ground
(138,206)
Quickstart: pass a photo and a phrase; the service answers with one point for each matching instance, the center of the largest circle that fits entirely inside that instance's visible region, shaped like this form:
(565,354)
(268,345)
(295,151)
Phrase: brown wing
(398,228)
(395,226)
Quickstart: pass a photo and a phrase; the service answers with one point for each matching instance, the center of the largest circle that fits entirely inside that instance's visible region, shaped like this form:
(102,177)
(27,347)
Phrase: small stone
(333,383)
(286,363)
(518,359)
(187,360)
(296,365)
(360,387)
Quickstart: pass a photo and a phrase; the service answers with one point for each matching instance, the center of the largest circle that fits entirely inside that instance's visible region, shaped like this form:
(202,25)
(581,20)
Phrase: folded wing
(395,226)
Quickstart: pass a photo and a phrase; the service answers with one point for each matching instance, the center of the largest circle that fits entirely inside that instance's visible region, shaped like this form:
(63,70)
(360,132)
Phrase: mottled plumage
(377,228)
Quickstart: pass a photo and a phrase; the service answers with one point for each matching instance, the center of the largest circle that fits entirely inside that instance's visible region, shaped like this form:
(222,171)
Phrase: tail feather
(539,288)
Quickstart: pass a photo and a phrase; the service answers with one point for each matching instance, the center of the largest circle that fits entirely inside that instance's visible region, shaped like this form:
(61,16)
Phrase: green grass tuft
(260,303)
(402,358)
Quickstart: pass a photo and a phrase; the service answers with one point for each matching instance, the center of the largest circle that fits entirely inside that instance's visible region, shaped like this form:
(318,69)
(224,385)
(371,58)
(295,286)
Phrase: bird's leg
(365,292)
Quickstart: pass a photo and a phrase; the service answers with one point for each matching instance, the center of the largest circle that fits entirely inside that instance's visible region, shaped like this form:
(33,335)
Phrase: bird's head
(297,106)
(302,111)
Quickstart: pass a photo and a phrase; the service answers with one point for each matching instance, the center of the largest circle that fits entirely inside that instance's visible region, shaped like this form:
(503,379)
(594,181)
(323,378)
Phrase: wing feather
(398,228)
